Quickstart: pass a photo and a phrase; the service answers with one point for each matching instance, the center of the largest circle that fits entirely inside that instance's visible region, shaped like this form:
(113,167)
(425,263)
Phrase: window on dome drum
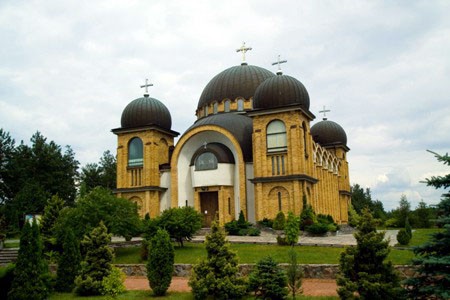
(227,105)
(135,152)
(276,136)
(240,105)
(206,161)
(205,111)
(215,107)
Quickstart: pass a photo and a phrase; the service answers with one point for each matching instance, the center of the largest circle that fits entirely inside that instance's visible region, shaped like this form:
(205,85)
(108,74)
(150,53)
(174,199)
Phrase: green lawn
(250,253)
(138,295)
(420,236)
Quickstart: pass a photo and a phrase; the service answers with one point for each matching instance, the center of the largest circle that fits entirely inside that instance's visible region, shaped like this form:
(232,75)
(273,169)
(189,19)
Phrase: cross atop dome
(243,49)
(324,111)
(146,85)
(279,62)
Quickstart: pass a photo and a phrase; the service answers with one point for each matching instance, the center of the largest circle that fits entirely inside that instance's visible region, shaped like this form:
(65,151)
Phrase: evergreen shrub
(113,284)
(280,221)
(292,228)
(403,237)
(160,262)
(317,228)
(69,263)
(268,281)
(266,223)
(6,279)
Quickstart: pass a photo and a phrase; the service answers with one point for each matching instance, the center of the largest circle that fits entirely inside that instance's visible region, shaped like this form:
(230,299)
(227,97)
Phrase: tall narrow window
(276,136)
(135,152)
(279,201)
(283,169)
(305,147)
(227,106)
(206,111)
(240,105)
(215,107)
(229,206)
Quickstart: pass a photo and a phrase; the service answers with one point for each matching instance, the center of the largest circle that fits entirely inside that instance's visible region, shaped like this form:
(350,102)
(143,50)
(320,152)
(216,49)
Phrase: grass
(11,244)
(421,236)
(138,295)
(192,253)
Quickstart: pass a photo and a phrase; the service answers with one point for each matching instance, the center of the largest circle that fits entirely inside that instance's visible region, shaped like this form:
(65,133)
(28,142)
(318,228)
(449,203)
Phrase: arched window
(135,152)
(305,143)
(205,111)
(215,107)
(227,105)
(276,136)
(206,161)
(240,105)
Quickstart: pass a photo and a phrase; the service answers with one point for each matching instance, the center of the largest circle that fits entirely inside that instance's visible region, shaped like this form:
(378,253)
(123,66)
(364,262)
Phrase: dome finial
(324,111)
(243,49)
(146,85)
(279,62)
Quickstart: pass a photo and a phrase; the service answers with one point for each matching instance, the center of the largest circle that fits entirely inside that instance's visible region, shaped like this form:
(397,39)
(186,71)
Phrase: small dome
(237,81)
(146,111)
(281,90)
(327,133)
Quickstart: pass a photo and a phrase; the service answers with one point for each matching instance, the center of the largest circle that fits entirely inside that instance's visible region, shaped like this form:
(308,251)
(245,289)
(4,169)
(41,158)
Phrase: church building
(251,149)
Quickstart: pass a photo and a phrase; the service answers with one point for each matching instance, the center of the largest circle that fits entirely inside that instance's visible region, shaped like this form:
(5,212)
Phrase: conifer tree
(160,262)
(97,263)
(268,281)
(363,273)
(69,263)
(31,275)
(48,221)
(294,274)
(292,229)
(217,276)
(432,280)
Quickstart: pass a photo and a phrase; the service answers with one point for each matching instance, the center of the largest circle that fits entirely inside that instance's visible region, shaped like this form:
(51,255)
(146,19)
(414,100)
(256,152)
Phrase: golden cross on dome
(279,62)
(146,85)
(324,111)
(243,49)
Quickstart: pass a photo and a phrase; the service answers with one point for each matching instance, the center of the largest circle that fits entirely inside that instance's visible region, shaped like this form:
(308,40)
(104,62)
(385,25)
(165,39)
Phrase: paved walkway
(337,240)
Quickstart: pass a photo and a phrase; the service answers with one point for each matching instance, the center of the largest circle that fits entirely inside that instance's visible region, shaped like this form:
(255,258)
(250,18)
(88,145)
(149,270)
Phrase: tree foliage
(180,222)
(30,174)
(101,174)
(433,258)
(31,275)
(363,272)
(68,263)
(119,215)
(160,262)
(292,228)
(294,274)
(217,276)
(362,198)
(97,262)
(280,221)
(267,280)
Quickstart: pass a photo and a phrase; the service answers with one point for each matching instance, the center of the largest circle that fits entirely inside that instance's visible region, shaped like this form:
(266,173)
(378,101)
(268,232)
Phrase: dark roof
(146,111)
(328,133)
(237,81)
(239,126)
(281,90)
(222,153)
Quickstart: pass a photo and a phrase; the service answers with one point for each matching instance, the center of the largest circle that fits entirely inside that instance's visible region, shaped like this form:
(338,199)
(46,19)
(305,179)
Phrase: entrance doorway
(209,205)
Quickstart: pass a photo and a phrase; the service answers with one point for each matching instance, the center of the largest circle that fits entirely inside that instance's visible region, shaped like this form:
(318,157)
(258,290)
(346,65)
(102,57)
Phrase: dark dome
(281,90)
(146,111)
(239,125)
(328,133)
(237,81)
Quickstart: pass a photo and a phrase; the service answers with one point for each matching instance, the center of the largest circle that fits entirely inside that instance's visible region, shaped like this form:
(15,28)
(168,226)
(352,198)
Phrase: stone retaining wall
(322,271)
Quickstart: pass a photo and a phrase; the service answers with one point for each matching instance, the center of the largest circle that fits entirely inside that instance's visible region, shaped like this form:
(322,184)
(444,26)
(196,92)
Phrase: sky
(69,68)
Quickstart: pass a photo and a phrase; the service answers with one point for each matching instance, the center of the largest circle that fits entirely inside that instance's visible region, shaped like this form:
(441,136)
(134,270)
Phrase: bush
(408,228)
(6,279)
(268,281)
(254,231)
(180,222)
(292,229)
(113,284)
(266,223)
(317,229)
(280,221)
(241,227)
(160,262)
(69,263)
(232,227)
(403,237)
(282,241)
(32,279)
(217,276)
(353,216)
(294,274)
(97,263)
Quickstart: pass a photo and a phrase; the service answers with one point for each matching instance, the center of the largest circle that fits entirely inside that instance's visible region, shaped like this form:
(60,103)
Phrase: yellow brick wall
(156,152)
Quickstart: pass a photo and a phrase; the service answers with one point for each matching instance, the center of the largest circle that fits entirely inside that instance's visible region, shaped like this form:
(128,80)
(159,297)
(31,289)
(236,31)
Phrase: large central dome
(234,82)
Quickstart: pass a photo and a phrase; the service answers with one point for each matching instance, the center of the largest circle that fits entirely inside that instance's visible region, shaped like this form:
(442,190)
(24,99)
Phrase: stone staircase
(8,255)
